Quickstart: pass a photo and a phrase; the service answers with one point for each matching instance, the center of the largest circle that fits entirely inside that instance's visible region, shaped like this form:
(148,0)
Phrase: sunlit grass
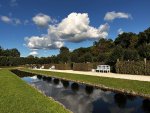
(18,97)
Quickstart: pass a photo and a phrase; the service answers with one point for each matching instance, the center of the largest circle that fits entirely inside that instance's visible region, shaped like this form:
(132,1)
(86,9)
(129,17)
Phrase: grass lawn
(138,87)
(18,97)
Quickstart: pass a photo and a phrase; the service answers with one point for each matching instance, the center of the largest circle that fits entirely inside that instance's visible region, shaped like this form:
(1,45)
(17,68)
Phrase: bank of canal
(82,98)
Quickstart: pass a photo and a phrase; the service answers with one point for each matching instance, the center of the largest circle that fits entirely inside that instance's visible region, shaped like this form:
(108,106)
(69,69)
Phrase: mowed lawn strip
(16,96)
(139,87)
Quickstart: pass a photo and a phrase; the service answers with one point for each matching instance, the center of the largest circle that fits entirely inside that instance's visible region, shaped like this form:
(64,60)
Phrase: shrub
(133,67)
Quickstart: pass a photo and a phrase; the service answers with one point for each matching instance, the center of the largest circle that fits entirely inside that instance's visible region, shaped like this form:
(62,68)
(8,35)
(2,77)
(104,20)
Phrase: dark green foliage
(125,40)
(104,45)
(9,52)
(116,54)
(144,37)
(131,54)
(144,51)
(54,59)
(64,55)
(87,57)
(102,57)
(133,67)
(74,57)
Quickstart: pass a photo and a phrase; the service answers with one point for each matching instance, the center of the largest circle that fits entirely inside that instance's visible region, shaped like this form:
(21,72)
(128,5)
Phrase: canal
(81,98)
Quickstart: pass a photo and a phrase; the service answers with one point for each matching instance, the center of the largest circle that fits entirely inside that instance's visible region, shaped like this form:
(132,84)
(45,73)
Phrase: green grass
(138,87)
(18,97)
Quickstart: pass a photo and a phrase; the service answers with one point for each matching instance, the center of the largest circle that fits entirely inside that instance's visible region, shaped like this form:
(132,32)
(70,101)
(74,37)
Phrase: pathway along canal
(80,98)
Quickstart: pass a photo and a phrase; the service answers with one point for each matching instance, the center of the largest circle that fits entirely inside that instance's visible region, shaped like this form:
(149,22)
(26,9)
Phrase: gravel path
(111,75)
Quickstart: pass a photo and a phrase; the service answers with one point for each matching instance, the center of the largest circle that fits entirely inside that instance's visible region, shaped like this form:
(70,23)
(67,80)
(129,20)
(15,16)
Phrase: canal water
(80,98)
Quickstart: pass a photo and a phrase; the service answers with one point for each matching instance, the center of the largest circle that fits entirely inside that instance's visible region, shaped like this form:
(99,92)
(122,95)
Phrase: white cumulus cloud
(43,42)
(110,16)
(34,53)
(74,28)
(10,20)
(6,19)
(42,20)
(120,31)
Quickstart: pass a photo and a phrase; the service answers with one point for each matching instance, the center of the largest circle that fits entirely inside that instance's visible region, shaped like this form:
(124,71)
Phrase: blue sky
(25,24)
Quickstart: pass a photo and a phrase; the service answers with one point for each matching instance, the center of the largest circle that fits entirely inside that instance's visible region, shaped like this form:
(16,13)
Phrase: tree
(144,37)
(102,57)
(131,54)
(9,52)
(103,45)
(88,57)
(126,40)
(144,51)
(54,59)
(64,55)
(14,52)
(6,53)
(30,56)
(117,53)
(3,61)
(74,57)
(1,51)
(81,51)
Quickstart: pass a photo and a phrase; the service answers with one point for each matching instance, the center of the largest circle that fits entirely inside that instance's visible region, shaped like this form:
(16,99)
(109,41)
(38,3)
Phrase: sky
(41,27)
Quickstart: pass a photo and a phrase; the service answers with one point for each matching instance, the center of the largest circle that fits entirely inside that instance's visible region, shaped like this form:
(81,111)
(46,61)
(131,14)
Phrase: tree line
(127,46)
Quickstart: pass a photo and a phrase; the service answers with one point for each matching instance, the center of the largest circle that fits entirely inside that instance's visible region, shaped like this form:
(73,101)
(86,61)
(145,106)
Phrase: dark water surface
(81,98)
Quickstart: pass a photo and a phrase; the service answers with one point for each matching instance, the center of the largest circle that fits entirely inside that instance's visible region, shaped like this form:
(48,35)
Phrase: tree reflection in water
(65,83)
(22,73)
(44,78)
(89,89)
(120,100)
(131,97)
(49,79)
(39,77)
(94,101)
(75,87)
(146,106)
(56,81)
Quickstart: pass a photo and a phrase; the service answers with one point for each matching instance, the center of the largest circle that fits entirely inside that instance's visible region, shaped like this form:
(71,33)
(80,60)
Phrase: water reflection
(89,89)
(131,97)
(146,106)
(75,87)
(120,100)
(81,98)
(39,77)
(65,83)
(56,81)
(44,78)
(22,73)
(49,79)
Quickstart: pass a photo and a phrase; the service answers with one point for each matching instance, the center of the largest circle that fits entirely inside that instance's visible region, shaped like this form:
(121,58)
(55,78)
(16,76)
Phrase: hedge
(133,67)
(73,66)
(85,66)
